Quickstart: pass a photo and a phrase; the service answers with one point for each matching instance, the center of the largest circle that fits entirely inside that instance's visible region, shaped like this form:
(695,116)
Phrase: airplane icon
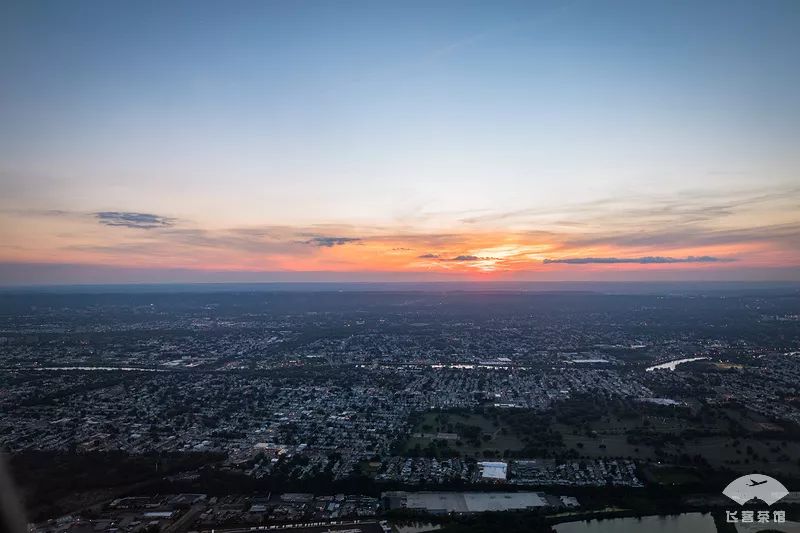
(759,486)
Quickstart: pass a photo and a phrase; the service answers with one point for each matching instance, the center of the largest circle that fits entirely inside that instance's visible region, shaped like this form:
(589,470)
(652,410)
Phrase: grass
(500,437)
(608,438)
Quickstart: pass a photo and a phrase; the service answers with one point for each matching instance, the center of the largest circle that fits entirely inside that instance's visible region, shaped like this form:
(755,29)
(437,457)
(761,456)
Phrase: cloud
(457,259)
(129,219)
(648,260)
(328,242)
(637,230)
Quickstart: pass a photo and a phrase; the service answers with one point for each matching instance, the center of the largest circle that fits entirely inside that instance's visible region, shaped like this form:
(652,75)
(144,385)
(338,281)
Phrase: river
(670,365)
(681,523)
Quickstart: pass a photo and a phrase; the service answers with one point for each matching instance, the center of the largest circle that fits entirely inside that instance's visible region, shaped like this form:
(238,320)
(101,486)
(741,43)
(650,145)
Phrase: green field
(608,436)
(493,437)
(687,436)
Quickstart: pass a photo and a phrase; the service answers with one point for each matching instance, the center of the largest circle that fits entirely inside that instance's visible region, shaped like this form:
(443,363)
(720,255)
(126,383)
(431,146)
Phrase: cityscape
(261,408)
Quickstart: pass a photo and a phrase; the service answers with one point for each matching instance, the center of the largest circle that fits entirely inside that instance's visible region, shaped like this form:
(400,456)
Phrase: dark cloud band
(129,219)
(457,259)
(329,242)
(648,260)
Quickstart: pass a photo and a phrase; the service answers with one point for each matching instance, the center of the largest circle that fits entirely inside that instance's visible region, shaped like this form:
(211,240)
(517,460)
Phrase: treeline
(43,478)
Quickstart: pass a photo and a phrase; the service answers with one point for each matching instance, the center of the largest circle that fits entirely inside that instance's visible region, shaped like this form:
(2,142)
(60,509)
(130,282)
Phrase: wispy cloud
(129,219)
(684,208)
(648,260)
(655,236)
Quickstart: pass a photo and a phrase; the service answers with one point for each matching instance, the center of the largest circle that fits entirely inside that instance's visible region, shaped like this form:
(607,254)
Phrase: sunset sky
(313,141)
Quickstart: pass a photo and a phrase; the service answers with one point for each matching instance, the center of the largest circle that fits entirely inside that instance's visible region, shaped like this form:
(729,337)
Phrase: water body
(681,523)
(670,365)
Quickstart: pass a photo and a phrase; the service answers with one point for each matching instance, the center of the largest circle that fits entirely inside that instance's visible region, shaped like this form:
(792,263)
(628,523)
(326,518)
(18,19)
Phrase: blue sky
(382,120)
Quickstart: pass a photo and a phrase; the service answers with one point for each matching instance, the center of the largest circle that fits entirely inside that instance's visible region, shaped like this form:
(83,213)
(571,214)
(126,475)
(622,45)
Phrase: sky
(398,141)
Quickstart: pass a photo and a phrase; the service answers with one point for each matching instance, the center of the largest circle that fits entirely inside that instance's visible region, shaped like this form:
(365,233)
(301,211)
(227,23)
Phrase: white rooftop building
(493,469)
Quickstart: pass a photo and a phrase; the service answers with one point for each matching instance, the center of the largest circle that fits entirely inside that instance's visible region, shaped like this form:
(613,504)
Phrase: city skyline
(455,141)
